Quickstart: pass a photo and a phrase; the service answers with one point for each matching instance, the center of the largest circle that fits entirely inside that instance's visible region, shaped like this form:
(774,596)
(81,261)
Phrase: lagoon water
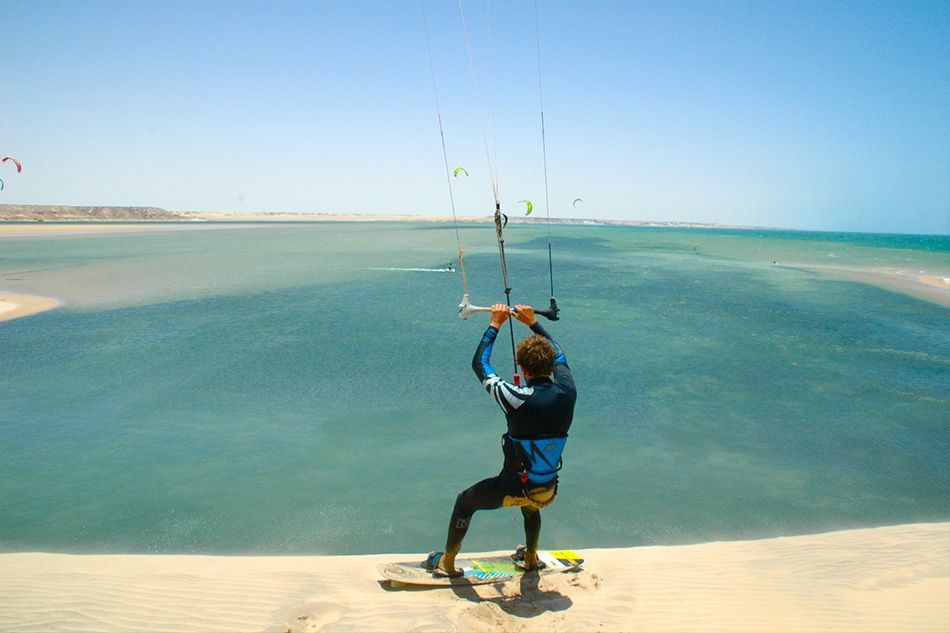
(286,389)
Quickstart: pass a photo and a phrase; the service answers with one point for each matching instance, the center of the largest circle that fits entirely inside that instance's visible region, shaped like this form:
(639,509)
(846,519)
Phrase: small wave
(925,356)
(418,270)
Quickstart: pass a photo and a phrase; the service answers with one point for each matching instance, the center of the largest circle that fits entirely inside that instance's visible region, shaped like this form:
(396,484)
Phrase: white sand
(885,579)
(14,306)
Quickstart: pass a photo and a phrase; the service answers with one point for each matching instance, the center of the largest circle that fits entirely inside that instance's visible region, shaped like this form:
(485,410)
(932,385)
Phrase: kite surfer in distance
(539,415)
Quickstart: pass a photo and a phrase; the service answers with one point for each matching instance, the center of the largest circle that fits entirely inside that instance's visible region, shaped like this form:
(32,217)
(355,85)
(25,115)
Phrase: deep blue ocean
(288,389)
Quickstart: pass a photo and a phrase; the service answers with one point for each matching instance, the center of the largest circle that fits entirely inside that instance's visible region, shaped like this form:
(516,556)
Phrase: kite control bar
(466,309)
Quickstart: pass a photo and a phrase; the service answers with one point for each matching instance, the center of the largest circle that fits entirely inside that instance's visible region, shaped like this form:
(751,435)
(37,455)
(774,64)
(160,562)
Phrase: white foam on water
(417,270)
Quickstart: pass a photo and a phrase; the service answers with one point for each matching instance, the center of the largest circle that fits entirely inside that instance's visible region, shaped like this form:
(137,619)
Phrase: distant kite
(460,169)
(528,205)
(19,167)
(576,200)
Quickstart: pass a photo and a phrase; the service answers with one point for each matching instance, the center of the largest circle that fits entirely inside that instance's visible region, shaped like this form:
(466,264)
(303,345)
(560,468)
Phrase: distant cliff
(50,213)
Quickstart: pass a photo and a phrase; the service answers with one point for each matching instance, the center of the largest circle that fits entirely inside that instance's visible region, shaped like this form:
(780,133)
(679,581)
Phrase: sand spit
(14,306)
(933,286)
(885,579)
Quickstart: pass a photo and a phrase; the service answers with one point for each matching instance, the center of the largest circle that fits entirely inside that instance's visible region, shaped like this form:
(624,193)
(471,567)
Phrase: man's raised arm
(481,362)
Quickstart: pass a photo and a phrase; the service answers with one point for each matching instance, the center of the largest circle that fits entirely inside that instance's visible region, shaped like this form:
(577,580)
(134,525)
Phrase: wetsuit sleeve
(562,373)
(481,362)
(508,396)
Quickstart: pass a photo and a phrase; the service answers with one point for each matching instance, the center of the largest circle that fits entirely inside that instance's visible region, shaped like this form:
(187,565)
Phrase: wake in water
(450,269)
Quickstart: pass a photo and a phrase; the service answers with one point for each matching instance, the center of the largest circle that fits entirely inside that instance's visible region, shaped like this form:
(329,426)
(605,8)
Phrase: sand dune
(884,579)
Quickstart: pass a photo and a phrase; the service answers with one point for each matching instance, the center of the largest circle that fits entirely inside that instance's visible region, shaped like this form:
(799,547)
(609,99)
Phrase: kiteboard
(479,571)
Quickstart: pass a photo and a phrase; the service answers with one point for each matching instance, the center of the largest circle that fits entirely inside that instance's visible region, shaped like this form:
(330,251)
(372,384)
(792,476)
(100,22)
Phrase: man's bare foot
(530,560)
(447,565)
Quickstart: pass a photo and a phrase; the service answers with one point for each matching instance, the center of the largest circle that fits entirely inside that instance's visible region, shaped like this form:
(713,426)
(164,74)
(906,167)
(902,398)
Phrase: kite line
(445,157)
(544,155)
(499,225)
(466,308)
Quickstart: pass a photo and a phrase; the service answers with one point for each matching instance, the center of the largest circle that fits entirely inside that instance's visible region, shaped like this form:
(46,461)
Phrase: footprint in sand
(311,617)
(484,617)
(589,581)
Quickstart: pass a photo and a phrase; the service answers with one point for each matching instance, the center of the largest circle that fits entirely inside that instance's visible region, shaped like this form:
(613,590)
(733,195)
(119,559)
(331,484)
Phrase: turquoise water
(260,389)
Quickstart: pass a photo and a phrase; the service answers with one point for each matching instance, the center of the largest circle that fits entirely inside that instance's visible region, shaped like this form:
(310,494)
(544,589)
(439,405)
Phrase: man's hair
(536,355)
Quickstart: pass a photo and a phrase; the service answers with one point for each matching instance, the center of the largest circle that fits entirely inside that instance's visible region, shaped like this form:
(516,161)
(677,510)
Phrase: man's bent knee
(464,509)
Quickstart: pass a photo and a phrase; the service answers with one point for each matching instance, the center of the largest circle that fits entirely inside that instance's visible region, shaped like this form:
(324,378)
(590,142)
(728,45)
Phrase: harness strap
(539,457)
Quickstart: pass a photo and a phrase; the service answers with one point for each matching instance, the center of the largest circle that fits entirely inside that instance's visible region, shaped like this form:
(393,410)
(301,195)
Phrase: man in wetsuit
(539,415)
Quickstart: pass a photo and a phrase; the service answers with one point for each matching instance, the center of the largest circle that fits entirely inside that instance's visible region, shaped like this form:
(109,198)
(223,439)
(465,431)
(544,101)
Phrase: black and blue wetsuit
(544,407)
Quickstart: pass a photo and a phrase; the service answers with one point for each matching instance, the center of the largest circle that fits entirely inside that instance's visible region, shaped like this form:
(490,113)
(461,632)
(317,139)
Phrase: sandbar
(932,286)
(880,579)
(15,306)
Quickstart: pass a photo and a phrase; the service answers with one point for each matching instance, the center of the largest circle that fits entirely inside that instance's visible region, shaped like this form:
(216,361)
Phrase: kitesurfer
(539,415)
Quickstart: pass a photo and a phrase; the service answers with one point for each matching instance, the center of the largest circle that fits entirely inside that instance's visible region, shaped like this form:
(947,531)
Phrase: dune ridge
(881,579)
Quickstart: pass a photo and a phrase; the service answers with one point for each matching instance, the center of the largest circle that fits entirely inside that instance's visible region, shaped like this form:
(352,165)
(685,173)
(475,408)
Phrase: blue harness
(540,457)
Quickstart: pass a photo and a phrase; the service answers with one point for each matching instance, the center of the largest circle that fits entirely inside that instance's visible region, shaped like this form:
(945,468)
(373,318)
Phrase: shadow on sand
(529,602)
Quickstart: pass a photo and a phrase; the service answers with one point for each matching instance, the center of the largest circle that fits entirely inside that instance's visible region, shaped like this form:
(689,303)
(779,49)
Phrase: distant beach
(32,215)
(514,219)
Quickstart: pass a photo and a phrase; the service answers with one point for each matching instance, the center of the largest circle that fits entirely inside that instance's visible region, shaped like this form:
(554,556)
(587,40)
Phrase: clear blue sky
(824,115)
